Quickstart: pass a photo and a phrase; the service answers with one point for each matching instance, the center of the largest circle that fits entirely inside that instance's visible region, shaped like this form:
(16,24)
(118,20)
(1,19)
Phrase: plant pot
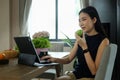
(42,51)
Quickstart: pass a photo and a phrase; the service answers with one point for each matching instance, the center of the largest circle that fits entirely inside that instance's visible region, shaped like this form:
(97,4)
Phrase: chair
(107,63)
(52,73)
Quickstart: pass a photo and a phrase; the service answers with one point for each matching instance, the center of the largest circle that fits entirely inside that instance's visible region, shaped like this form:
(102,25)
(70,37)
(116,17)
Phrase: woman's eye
(83,19)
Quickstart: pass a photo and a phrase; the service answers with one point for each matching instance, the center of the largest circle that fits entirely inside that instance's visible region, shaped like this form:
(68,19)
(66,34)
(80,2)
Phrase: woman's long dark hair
(92,12)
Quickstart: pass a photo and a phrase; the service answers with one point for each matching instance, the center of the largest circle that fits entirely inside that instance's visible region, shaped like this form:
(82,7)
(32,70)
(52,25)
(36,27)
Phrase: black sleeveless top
(81,68)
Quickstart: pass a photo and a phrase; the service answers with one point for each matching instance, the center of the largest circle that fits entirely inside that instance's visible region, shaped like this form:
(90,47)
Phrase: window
(55,16)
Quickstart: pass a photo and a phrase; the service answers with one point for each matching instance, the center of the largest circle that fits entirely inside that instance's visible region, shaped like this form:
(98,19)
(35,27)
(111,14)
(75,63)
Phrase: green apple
(79,32)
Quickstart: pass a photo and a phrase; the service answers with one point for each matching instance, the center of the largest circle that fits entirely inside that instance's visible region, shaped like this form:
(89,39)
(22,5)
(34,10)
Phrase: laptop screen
(26,46)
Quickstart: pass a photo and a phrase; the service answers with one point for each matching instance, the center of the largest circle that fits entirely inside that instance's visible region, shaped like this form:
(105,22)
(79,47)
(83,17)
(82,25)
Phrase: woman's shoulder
(104,37)
(105,41)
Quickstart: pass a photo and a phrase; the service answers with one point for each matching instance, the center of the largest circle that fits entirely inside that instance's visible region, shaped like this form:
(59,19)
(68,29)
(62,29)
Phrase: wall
(118,23)
(116,72)
(14,21)
(107,11)
(4,24)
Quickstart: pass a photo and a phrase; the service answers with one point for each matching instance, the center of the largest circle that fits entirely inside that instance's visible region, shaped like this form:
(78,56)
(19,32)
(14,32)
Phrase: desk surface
(58,54)
(15,71)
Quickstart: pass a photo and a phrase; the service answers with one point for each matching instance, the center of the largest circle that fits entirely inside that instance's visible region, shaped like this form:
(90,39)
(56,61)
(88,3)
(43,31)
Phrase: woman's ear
(94,20)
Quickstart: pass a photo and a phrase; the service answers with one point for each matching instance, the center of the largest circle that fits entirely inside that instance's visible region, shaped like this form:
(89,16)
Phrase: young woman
(88,49)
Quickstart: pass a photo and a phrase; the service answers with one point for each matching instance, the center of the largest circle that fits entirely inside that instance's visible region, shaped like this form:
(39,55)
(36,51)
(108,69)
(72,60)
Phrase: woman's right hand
(48,58)
(81,41)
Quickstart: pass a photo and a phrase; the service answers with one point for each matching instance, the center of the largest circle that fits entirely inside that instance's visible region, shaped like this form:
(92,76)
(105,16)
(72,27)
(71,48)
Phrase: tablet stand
(26,59)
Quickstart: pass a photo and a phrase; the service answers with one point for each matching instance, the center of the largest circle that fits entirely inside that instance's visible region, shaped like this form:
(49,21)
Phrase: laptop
(28,55)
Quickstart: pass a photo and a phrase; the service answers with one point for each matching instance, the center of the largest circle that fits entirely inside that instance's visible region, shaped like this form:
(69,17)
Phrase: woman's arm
(93,66)
(101,48)
(64,60)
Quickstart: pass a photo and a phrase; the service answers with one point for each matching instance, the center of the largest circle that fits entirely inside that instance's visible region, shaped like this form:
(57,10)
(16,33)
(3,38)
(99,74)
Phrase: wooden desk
(15,71)
(59,68)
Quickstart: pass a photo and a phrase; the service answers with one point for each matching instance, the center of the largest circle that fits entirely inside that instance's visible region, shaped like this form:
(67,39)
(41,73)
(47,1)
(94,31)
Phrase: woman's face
(86,23)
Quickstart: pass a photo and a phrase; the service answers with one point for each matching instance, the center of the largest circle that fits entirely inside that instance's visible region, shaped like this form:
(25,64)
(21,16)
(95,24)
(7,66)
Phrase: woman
(88,49)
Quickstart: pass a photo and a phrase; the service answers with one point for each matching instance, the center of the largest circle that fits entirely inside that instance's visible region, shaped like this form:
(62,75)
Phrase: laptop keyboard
(46,62)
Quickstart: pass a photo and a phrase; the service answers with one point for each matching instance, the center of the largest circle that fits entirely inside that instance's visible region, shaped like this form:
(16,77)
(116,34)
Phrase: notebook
(28,55)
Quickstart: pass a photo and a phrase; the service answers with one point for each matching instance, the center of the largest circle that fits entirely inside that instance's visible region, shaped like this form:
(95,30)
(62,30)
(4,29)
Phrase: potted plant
(41,42)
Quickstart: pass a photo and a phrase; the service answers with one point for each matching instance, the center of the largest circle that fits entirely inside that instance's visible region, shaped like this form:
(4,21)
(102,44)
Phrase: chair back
(107,63)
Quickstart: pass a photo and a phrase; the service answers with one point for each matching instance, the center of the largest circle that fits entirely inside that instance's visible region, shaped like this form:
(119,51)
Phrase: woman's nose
(81,24)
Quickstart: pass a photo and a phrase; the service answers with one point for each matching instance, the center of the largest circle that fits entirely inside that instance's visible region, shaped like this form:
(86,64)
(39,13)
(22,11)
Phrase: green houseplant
(41,42)
(41,39)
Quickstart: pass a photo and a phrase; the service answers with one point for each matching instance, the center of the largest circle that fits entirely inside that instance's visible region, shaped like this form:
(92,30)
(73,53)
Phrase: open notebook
(28,55)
